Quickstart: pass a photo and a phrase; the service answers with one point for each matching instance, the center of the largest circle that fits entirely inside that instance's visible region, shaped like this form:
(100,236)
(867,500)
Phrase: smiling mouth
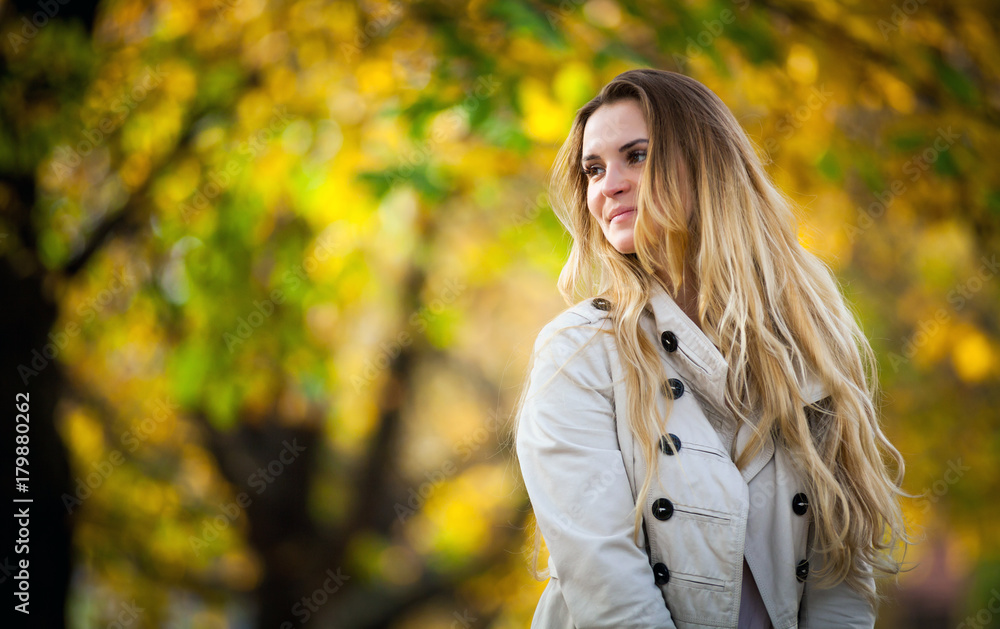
(622,216)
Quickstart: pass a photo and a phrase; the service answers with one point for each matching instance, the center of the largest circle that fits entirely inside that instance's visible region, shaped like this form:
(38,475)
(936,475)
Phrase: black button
(663,509)
(661,574)
(601,304)
(669,340)
(665,446)
(676,388)
(802,571)
(799,504)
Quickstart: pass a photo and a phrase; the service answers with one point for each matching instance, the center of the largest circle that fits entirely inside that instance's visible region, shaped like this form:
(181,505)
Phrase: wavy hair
(772,308)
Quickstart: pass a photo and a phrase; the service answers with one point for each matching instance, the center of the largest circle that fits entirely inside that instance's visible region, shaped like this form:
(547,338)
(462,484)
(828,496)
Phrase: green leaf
(222,399)
(525,19)
(188,368)
(828,166)
(960,86)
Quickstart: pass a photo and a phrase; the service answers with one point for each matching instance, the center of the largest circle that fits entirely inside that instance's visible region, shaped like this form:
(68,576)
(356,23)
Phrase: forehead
(610,125)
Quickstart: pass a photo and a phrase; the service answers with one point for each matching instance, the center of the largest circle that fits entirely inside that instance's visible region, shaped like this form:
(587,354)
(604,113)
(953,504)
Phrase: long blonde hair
(772,308)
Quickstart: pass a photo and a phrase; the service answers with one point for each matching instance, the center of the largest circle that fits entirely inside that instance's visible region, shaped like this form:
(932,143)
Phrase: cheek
(594,204)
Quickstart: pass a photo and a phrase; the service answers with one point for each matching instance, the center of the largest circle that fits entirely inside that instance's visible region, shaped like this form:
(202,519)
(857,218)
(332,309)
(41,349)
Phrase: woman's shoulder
(572,348)
(576,326)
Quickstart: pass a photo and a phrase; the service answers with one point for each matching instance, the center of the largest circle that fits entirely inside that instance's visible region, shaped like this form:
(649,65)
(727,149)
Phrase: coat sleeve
(839,607)
(574,474)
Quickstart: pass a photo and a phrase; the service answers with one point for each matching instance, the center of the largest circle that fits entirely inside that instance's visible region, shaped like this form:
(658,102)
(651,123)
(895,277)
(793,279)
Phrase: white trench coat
(582,471)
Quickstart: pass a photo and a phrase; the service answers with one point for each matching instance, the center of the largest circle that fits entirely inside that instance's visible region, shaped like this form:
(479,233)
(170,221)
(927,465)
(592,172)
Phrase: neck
(687,297)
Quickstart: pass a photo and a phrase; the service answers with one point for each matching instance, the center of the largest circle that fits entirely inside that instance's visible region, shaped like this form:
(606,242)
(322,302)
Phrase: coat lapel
(699,360)
(705,370)
(813,390)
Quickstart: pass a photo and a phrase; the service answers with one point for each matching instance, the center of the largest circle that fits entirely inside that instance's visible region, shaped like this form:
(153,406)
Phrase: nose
(615,181)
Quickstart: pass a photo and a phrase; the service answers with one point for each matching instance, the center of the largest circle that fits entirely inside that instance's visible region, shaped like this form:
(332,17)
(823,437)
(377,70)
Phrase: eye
(634,157)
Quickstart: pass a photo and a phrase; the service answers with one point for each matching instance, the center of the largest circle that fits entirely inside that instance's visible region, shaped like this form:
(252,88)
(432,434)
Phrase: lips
(622,211)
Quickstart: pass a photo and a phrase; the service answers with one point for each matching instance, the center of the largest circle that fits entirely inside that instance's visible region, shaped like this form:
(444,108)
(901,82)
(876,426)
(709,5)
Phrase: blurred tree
(27,319)
(277,237)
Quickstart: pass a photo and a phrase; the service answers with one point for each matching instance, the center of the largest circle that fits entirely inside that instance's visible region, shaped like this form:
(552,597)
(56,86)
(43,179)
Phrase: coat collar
(705,368)
(706,365)
(700,360)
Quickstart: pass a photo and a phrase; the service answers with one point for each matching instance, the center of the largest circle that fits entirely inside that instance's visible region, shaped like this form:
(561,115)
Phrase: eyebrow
(622,149)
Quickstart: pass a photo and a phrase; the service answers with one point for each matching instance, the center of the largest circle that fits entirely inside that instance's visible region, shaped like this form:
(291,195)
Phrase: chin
(623,243)
(625,247)
(622,240)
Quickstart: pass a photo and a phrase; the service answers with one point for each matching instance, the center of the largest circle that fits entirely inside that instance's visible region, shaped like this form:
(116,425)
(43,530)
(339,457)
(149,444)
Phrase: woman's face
(615,140)
(614,153)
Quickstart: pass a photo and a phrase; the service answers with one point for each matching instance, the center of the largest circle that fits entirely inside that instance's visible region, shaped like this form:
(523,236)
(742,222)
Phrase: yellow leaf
(544,119)
(574,84)
(972,357)
(801,64)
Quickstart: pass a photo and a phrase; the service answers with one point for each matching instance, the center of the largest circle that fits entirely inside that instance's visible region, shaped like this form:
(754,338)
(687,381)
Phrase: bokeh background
(272,270)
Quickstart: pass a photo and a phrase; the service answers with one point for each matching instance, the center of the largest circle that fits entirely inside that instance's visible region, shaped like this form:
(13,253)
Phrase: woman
(716,378)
